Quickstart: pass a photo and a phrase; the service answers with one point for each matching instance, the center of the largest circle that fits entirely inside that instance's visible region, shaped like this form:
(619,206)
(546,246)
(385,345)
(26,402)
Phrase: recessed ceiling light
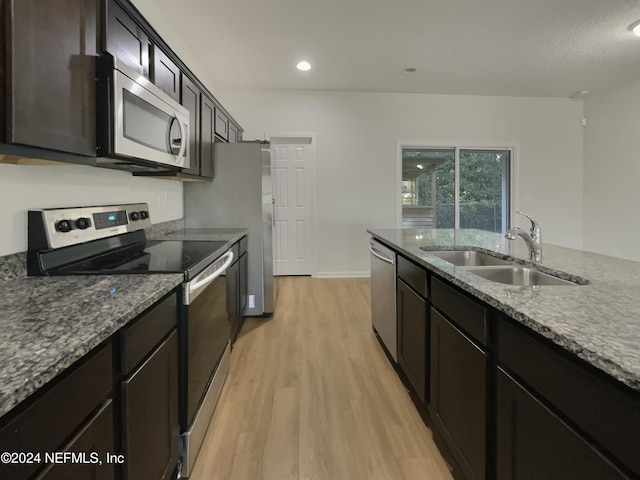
(635,28)
(304,66)
(410,70)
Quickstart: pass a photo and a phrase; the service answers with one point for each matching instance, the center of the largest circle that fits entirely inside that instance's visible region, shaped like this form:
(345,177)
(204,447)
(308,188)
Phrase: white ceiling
(482,47)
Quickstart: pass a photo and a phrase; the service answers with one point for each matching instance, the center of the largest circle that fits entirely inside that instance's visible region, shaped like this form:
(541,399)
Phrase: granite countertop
(47,323)
(599,322)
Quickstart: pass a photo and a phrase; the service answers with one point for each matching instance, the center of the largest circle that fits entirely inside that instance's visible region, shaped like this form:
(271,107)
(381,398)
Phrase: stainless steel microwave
(139,127)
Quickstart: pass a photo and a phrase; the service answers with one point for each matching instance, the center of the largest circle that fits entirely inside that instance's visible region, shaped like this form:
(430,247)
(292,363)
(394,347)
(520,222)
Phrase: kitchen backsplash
(24,187)
(163,228)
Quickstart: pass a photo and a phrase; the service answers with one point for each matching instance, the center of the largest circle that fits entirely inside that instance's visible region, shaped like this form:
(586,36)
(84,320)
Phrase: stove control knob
(83,223)
(144,214)
(63,226)
(134,216)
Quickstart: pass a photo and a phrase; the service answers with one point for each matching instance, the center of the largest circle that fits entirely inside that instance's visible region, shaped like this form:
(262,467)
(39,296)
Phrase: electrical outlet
(252,301)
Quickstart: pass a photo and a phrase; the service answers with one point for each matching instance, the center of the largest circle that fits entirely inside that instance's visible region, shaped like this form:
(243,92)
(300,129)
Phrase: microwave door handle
(183,138)
(184,132)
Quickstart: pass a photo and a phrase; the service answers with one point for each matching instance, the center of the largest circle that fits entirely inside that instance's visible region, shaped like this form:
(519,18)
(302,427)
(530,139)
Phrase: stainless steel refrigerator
(240,195)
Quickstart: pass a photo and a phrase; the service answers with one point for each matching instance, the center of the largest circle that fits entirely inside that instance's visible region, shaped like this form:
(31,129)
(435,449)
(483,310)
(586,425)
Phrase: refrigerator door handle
(273,212)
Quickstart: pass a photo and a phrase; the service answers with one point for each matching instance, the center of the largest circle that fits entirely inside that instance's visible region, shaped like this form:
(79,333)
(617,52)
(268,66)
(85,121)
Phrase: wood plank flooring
(311,396)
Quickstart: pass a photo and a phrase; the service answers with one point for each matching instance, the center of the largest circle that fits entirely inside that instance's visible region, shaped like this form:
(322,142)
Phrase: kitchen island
(506,363)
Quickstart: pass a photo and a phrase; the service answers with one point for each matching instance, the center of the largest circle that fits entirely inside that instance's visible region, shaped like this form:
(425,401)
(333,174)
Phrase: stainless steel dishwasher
(383,296)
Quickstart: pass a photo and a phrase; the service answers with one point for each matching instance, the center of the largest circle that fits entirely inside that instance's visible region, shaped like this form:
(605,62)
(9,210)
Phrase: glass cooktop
(154,256)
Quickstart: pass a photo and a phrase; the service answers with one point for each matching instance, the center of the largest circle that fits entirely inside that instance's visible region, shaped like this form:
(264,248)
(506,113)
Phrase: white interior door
(292,191)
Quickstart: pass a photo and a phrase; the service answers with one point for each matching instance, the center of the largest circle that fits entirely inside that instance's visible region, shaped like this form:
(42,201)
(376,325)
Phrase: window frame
(457,147)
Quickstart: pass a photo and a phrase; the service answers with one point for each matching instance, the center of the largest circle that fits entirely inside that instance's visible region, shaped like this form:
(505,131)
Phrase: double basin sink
(499,270)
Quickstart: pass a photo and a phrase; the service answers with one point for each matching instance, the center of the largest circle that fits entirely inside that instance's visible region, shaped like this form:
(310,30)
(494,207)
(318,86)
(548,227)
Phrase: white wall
(612,172)
(356,169)
(23,187)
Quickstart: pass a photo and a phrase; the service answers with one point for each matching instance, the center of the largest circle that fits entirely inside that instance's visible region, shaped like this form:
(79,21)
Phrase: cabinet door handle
(381,257)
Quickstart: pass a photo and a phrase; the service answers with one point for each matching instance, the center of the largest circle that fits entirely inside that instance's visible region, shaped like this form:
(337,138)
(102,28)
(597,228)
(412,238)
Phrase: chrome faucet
(532,239)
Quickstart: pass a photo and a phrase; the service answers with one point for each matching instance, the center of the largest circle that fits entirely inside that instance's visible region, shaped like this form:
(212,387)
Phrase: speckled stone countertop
(599,322)
(230,235)
(47,323)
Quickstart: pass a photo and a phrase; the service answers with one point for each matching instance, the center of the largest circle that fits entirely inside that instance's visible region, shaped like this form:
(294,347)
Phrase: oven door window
(208,334)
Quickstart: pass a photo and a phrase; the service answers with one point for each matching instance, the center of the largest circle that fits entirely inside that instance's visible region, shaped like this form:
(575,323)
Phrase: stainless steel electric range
(111,240)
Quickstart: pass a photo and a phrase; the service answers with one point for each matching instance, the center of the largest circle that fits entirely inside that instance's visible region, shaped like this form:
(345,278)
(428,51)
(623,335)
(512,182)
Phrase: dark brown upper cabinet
(222,124)
(190,99)
(126,40)
(47,74)
(166,74)
(233,133)
(207,137)
(48,52)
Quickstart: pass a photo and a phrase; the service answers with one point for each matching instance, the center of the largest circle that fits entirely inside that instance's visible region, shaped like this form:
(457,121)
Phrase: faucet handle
(536,233)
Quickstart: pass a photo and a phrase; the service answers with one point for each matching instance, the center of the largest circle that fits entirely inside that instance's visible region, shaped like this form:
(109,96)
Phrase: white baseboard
(365,274)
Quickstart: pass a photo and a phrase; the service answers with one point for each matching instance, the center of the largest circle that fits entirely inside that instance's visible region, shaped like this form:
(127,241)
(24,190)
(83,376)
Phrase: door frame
(498,145)
(312,170)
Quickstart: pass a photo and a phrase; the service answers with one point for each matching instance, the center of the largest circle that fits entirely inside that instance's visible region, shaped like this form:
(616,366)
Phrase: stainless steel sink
(518,275)
(468,258)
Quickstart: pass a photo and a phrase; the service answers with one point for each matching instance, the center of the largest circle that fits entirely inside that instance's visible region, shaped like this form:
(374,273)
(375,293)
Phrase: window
(456,188)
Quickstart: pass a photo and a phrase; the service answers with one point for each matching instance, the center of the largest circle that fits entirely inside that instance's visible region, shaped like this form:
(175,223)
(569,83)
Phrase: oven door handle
(198,284)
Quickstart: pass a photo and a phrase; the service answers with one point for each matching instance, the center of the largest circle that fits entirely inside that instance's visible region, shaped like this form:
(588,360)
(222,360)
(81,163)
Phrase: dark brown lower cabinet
(458,396)
(533,443)
(413,337)
(61,409)
(233,296)
(95,440)
(150,415)
(237,285)
(244,281)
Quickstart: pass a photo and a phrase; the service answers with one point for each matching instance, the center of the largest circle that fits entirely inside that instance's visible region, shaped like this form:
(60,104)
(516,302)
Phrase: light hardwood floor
(311,396)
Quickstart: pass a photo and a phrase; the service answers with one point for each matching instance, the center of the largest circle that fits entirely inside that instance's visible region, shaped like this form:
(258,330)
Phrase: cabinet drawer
(235,248)
(463,311)
(413,275)
(606,412)
(244,244)
(146,332)
(95,437)
(49,420)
